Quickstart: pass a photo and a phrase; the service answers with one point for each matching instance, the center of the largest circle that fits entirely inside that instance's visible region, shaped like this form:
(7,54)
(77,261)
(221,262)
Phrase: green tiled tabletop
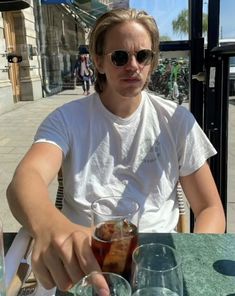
(208,261)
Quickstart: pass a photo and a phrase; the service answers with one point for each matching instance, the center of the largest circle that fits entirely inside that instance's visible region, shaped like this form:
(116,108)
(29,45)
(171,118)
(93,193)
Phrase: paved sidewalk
(18,127)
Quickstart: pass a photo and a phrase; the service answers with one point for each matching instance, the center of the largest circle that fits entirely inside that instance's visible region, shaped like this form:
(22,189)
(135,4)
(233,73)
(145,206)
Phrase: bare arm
(202,194)
(61,253)
(29,187)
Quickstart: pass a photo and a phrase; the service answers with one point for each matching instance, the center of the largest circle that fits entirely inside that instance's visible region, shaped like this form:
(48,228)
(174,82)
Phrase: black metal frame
(217,100)
(197,66)
(197,58)
(209,104)
(216,115)
(195,45)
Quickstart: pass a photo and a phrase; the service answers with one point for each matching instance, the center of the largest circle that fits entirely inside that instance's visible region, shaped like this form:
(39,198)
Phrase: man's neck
(120,106)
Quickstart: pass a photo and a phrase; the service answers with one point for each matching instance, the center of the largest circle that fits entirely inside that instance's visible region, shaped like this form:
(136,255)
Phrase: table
(208,261)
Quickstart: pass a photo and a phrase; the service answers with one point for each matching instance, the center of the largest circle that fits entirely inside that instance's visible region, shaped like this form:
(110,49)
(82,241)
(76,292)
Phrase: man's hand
(62,255)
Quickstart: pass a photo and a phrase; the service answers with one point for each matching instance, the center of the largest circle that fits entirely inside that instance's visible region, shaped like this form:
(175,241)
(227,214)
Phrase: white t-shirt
(141,156)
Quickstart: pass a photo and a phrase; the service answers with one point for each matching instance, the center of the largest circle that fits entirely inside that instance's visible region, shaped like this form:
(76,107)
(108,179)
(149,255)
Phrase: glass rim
(115,275)
(174,251)
(115,197)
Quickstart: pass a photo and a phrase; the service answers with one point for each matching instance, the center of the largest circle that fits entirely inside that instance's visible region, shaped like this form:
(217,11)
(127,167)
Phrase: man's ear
(98,61)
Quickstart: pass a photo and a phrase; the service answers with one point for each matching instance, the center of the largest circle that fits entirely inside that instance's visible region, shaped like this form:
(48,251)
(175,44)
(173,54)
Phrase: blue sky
(164,11)
(227,18)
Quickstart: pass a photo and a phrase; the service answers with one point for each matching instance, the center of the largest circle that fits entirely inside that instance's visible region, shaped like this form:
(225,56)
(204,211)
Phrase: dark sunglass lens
(119,57)
(144,56)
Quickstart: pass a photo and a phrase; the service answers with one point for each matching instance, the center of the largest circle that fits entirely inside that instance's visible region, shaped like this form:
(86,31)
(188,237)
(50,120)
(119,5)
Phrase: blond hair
(106,22)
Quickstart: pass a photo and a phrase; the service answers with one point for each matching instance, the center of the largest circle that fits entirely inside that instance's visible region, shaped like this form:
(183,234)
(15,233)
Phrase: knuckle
(46,282)
(48,285)
(64,285)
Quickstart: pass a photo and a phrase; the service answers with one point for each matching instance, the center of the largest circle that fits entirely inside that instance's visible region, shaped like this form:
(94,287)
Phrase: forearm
(29,201)
(210,220)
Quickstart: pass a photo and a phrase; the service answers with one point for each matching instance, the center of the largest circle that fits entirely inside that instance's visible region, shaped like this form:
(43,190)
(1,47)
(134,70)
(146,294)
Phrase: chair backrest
(60,191)
(182,225)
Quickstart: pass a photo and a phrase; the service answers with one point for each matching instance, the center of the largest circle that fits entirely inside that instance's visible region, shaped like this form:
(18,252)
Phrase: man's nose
(132,62)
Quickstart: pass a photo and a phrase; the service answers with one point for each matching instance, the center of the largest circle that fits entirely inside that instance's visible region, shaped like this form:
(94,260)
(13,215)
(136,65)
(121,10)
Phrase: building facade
(20,66)
(38,50)
(39,45)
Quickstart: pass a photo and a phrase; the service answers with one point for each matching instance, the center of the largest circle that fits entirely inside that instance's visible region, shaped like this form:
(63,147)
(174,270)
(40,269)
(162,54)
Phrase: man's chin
(130,92)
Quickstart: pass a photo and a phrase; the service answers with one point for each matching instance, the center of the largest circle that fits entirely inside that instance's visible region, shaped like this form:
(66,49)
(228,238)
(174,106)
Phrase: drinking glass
(115,285)
(156,271)
(2,265)
(114,233)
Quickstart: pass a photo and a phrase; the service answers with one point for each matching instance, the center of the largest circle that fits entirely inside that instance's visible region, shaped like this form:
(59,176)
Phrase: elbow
(211,220)
(10,194)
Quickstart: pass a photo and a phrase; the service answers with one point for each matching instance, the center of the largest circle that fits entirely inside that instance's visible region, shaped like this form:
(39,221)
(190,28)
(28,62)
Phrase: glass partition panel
(227,36)
(227,24)
(171,17)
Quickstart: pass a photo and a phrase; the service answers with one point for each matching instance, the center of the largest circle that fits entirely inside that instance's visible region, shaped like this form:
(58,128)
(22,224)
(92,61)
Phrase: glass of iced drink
(114,233)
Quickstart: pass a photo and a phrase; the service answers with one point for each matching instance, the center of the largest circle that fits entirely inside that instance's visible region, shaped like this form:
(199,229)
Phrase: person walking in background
(121,140)
(83,71)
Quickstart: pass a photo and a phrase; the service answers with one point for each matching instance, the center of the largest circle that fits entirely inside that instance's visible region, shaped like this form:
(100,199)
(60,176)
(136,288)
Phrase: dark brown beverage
(113,243)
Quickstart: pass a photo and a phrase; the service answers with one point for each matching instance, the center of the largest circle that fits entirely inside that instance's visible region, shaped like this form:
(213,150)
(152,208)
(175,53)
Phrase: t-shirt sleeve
(54,130)
(194,147)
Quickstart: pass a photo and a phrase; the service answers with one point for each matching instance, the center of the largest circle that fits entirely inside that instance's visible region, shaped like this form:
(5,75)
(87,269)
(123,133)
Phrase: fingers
(99,284)
(62,262)
(58,272)
(42,275)
(89,265)
(82,249)
(70,260)
(50,271)
(77,256)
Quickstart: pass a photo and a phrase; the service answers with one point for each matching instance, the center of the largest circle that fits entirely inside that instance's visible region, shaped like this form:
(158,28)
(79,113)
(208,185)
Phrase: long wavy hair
(106,22)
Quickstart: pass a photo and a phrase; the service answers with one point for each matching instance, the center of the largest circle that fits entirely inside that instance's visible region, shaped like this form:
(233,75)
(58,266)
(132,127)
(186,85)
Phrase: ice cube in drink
(113,243)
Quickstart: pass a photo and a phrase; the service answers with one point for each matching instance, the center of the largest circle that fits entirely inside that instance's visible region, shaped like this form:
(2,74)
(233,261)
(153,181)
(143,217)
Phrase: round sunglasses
(120,57)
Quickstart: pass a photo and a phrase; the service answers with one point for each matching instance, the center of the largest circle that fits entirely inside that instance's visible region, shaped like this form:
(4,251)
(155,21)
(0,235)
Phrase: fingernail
(104,292)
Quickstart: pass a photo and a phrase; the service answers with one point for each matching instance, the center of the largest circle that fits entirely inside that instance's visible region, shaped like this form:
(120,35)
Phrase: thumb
(99,283)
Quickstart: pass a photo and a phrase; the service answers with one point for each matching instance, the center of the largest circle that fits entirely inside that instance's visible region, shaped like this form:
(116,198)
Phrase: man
(119,141)
(83,71)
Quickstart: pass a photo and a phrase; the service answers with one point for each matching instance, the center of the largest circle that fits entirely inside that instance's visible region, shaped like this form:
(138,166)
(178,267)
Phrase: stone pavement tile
(231,215)
(6,149)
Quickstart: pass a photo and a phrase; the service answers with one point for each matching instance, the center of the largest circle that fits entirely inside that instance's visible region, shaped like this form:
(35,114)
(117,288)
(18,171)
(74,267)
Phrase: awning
(90,9)
(84,18)
(10,5)
(86,11)
(97,8)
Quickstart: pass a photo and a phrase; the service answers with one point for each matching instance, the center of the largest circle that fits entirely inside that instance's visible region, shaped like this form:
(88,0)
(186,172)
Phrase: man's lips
(131,79)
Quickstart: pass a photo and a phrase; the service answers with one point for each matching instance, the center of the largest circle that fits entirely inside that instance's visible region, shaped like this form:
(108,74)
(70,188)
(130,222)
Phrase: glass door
(219,91)
(196,55)
(182,25)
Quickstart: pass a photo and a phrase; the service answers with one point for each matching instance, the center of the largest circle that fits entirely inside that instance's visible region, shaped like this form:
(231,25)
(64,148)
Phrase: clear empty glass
(156,271)
(90,285)
(2,265)
(114,233)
